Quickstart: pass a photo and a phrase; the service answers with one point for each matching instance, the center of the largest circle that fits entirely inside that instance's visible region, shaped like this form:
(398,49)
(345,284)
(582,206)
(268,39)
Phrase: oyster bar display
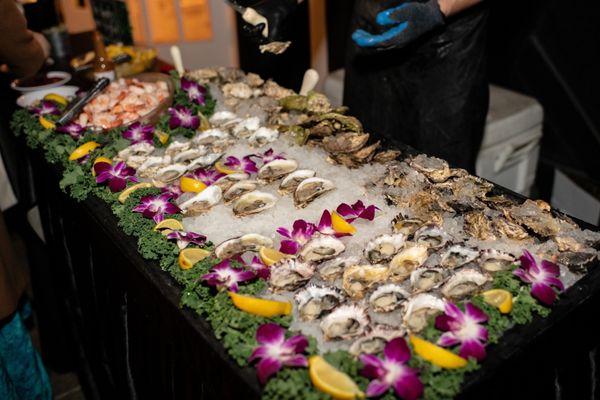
(357,270)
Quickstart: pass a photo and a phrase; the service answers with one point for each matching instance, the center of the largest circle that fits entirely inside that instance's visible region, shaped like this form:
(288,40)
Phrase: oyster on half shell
(493,260)
(419,309)
(168,174)
(384,247)
(431,236)
(403,263)
(242,244)
(276,169)
(479,226)
(464,283)
(387,298)
(457,256)
(333,269)
(345,322)
(290,274)
(315,301)
(374,342)
(311,188)
(358,279)
(239,189)
(406,226)
(203,201)
(292,180)
(227,181)
(253,202)
(321,248)
(426,278)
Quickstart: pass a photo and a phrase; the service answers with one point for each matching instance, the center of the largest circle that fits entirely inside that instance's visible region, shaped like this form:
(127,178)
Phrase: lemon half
(260,307)
(330,380)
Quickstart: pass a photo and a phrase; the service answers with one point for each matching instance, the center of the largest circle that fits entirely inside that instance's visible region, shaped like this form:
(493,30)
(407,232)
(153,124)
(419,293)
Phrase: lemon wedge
(83,150)
(162,136)
(224,170)
(260,307)
(330,380)
(340,225)
(57,98)
(188,184)
(499,298)
(270,256)
(168,225)
(188,257)
(125,193)
(46,123)
(436,354)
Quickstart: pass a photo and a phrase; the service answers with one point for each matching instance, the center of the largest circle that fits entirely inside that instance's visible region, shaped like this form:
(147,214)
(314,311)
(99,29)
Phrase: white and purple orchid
(174,190)
(544,278)
(183,117)
(185,238)
(325,226)
(139,133)
(259,268)
(300,234)
(357,210)
(195,92)
(156,207)
(269,156)
(206,176)
(115,175)
(392,372)
(46,107)
(72,129)
(244,165)
(275,351)
(224,276)
(463,328)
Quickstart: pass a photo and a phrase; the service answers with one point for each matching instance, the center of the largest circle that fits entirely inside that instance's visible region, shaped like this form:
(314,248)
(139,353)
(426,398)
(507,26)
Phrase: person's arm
(18,47)
(452,7)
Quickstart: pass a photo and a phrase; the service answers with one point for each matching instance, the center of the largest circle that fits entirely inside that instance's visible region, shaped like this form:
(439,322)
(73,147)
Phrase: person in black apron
(415,72)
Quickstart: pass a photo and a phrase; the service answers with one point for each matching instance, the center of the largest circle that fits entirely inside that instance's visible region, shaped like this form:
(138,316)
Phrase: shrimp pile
(122,102)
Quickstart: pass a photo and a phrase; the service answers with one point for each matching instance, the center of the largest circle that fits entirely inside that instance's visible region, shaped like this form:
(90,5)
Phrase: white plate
(64,78)
(28,99)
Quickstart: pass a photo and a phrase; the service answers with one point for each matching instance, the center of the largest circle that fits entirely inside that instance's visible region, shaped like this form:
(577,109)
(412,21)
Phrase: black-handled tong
(76,105)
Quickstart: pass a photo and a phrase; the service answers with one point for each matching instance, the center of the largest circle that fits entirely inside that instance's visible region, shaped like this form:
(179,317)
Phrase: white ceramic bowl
(64,78)
(28,99)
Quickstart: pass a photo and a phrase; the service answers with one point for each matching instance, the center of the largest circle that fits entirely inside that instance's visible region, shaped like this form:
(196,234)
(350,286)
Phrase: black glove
(407,22)
(276,12)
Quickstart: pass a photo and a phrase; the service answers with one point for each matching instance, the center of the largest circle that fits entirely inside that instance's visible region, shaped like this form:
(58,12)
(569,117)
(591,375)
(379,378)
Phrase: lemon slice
(188,257)
(188,184)
(270,256)
(46,123)
(340,225)
(499,298)
(125,193)
(83,150)
(329,380)
(168,225)
(162,136)
(99,160)
(57,98)
(260,307)
(436,354)
(225,170)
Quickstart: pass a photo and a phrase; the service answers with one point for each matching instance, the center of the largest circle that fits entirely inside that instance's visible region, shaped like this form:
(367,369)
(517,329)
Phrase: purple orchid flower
(269,156)
(139,133)
(544,278)
(463,328)
(325,226)
(226,277)
(391,371)
(116,175)
(301,233)
(194,91)
(207,176)
(357,210)
(259,268)
(46,107)
(183,117)
(72,129)
(275,351)
(185,238)
(156,207)
(245,164)
(174,190)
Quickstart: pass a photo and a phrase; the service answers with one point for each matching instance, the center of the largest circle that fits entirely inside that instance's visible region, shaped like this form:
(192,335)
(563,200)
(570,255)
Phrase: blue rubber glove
(407,22)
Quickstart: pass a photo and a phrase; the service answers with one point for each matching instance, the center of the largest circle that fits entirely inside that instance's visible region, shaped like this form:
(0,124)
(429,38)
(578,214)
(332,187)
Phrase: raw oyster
(346,142)
(426,278)
(431,236)
(309,189)
(290,274)
(151,165)
(406,226)
(345,322)
(357,158)
(315,301)
(276,169)
(245,127)
(537,217)
(239,90)
(262,136)
(238,189)
(253,202)
(203,201)
(333,269)
(479,226)
(374,342)
(168,174)
(210,136)
(465,282)
(577,261)
(177,147)
(419,309)
(190,154)
(242,244)
(321,248)
(358,279)
(204,161)
(508,229)
(457,256)
(435,169)
(138,149)
(292,180)
(272,89)
(227,181)
(493,260)
(221,117)
(406,261)
(387,298)
(384,247)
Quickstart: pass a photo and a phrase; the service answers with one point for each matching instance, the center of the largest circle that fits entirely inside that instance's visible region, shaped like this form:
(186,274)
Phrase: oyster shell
(262,136)
(333,269)
(358,279)
(190,154)
(168,174)
(419,309)
(238,189)
(242,244)
(386,156)
(406,261)
(202,201)
(406,226)
(276,169)
(290,274)
(177,147)
(210,136)
(577,261)
(387,298)
(292,180)
(435,169)
(138,149)
(384,247)
(431,236)
(465,282)
(204,161)
(245,127)
(309,189)
(253,202)
(374,342)
(272,89)
(346,142)
(315,301)
(537,217)
(457,256)
(227,181)
(345,322)
(508,229)
(493,260)
(151,165)
(239,90)
(479,226)
(321,248)
(426,278)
